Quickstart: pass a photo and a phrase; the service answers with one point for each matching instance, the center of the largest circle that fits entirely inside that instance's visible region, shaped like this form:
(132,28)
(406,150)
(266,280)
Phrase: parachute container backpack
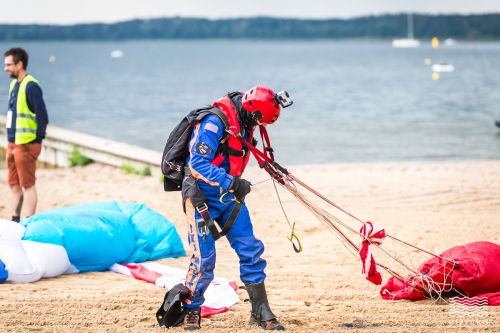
(176,149)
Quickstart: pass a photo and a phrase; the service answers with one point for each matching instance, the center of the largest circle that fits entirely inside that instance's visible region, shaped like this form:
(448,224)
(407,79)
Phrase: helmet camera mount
(283,99)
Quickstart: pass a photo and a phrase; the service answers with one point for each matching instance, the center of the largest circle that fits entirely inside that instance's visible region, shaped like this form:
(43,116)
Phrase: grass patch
(3,161)
(76,158)
(146,171)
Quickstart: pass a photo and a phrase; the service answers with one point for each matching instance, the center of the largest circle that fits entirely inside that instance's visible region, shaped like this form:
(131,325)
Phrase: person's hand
(240,188)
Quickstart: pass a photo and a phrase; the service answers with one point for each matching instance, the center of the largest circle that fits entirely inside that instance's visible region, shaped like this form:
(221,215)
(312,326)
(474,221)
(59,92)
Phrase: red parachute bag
(476,273)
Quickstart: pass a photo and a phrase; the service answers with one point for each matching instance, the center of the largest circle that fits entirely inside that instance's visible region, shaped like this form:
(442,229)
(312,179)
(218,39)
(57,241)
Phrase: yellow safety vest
(26,124)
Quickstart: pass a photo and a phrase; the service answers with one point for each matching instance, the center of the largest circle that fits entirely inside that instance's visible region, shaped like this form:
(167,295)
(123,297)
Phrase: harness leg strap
(209,223)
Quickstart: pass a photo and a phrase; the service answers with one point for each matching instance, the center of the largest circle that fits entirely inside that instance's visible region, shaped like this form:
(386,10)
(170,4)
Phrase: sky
(84,11)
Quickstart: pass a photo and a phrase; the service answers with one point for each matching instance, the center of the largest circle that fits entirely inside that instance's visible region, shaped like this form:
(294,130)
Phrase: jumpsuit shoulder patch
(202,148)
(212,128)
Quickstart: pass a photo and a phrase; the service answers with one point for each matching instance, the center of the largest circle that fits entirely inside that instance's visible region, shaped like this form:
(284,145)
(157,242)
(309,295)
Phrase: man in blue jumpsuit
(258,106)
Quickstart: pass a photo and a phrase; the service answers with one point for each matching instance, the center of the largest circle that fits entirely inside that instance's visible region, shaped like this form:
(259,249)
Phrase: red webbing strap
(259,156)
(217,161)
(246,158)
(265,162)
(266,143)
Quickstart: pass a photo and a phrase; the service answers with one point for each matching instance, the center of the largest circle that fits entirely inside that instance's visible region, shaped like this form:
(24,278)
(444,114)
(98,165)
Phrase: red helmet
(261,101)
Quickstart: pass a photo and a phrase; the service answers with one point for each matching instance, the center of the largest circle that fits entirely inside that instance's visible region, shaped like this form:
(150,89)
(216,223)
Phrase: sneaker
(192,320)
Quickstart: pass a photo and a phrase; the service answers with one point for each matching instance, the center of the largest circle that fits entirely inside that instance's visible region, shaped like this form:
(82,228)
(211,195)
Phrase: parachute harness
(293,185)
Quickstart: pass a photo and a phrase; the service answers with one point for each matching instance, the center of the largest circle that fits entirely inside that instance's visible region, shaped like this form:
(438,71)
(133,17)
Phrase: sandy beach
(436,205)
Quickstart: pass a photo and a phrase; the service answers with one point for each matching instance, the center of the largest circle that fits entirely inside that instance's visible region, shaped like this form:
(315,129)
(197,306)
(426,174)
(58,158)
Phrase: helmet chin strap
(251,120)
(247,119)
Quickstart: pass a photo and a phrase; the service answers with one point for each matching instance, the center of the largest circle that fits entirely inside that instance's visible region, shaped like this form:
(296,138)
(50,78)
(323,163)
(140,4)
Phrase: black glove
(240,188)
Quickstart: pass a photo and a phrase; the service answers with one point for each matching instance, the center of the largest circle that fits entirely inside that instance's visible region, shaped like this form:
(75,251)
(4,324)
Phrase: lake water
(355,101)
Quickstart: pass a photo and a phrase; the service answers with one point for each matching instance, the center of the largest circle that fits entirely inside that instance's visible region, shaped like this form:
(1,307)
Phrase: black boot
(192,320)
(261,312)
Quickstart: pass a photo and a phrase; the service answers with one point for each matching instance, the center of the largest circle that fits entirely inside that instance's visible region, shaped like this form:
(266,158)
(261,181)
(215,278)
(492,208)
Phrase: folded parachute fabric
(219,296)
(84,238)
(98,235)
(472,269)
(3,272)
(27,261)
(11,230)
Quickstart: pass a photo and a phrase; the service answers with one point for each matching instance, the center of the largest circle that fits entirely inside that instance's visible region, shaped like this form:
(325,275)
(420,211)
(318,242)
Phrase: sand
(433,204)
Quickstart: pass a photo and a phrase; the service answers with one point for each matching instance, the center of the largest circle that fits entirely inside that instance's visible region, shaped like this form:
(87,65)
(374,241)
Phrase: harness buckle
(202,209)
(203,230)
(233,130)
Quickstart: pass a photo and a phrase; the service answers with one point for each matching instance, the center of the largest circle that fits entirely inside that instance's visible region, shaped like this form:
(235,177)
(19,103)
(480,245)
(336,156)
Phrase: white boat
(443,68)
(117,54)
(449,42)
(410,41)
(405,43)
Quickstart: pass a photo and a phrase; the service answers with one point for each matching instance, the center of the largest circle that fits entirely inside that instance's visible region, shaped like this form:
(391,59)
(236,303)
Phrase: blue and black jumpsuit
(214,181)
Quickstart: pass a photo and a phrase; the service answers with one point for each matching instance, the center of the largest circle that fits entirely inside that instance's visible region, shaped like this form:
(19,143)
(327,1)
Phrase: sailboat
(443,68)
(410,41)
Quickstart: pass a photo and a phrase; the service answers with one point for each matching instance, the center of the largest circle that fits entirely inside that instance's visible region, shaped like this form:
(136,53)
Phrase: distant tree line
(485,26)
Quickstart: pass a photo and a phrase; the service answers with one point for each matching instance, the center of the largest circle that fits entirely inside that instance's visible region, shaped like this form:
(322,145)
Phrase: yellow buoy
(435,42)
(427,61)
(435,76)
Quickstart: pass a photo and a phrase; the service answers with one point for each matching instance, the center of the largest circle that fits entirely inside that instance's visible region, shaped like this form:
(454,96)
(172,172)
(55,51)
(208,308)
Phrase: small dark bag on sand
(171,313)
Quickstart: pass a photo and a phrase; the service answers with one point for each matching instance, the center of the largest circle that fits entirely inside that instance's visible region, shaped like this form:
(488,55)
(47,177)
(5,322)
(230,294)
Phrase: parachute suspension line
(301,183)
(293,238)
(330,219)
(327,218)
(391,272)
(382,249)
(319,213)
(281,205)
(262,181)
(284,178)
(396,259)
(304,185)
(431,288)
